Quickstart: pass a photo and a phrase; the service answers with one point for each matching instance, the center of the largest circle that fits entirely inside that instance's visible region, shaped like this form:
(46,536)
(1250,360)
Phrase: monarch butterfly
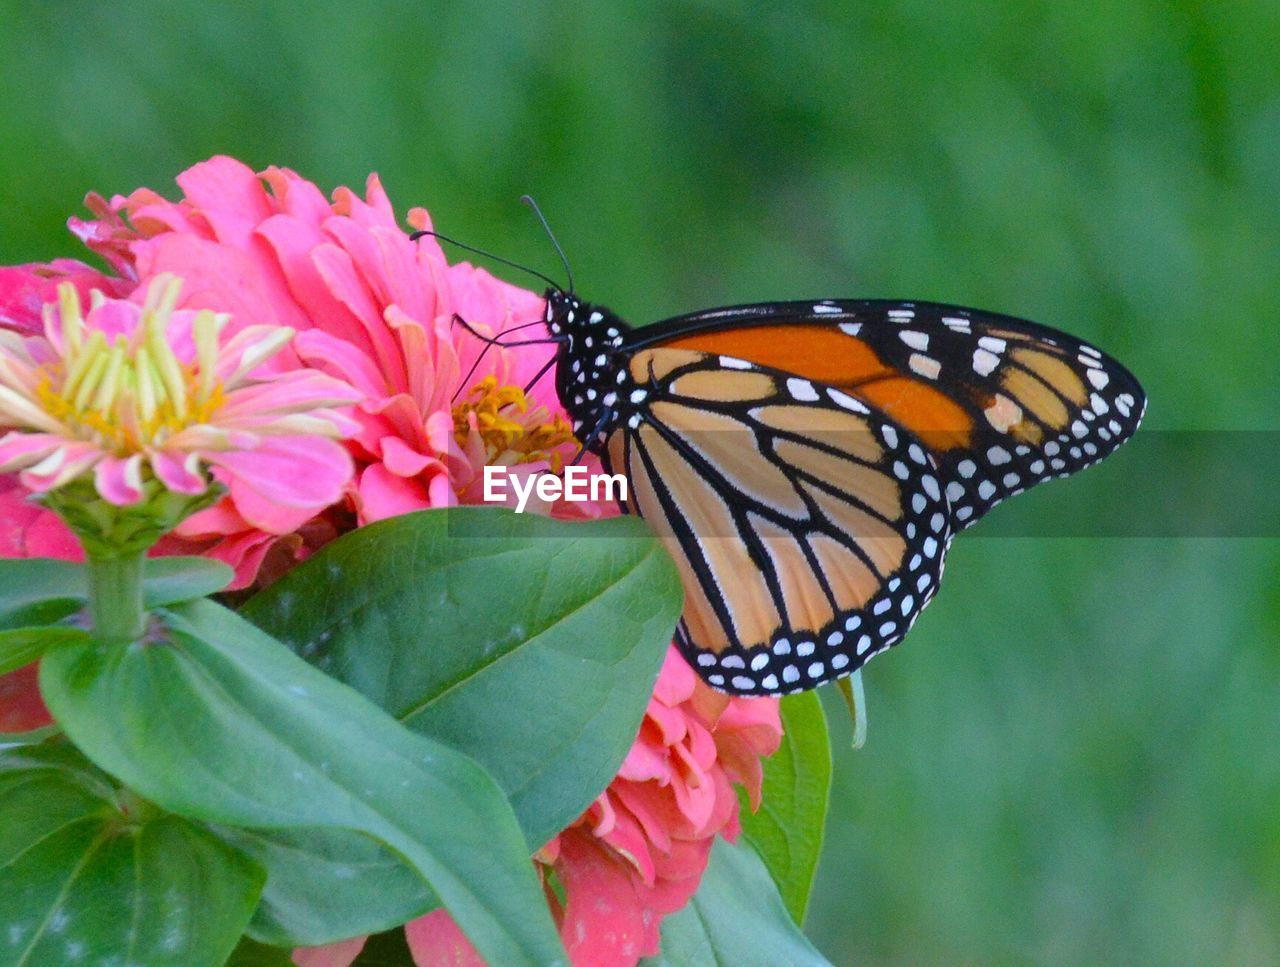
(808,463)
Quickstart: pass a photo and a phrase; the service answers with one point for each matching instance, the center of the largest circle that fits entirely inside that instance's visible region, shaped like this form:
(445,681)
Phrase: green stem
(115,597)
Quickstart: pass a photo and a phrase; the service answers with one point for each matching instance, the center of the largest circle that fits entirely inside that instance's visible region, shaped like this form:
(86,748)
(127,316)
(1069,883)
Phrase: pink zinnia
(371,307)
(136,394)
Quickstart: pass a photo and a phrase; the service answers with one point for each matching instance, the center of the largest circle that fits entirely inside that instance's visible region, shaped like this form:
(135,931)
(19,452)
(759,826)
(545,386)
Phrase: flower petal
(287,393)
(294,471)
(19,450)
(340,954)
(119,481)
(382,494)
(178,472)
(21,707)
(604,917)
(436,941)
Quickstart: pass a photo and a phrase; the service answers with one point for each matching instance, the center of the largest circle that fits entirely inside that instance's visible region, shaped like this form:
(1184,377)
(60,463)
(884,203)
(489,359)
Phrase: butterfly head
(590,366)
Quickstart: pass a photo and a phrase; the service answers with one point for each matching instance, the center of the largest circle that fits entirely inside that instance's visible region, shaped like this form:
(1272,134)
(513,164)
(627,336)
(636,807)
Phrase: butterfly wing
(810,529)
(1001,403)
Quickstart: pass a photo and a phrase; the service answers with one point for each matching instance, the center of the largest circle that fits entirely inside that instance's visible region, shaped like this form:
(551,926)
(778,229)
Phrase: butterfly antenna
(489,255)
(528,200)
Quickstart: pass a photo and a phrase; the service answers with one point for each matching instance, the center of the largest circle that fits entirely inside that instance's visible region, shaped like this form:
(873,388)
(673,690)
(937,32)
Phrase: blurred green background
(1076,759)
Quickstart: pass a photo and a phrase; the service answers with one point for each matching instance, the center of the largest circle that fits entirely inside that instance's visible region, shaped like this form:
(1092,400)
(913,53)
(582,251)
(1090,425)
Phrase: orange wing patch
(826,355)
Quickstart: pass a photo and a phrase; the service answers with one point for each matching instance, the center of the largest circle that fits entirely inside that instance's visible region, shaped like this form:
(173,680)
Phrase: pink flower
(141,393)
(371,307)
(638,853)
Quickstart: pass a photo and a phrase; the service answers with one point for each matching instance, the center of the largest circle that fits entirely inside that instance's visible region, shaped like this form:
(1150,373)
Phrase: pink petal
(295,471)
(382,494)
(340,954)
(178,473)
(290,242)
(19,449)
(221,518)
(337,268)
(436,941)
(296,197)
(652,808)
(114,317)
(21,707)
(265,513)
(679,875)
(223,279)
(676,680)
(243,552)
(30,530)
(604,916)
(287,393)
(402,460)
(76,458)
(120,481)
(229,195)
(627,837)
(328,352)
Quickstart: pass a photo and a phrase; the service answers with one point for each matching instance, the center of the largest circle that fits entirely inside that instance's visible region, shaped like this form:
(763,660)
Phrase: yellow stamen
(512,433)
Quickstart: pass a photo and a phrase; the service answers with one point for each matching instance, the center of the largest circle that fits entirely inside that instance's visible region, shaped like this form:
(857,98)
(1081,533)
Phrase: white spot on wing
(846,401)
(993,344)
(984,362)
(801,389)
(915,339)
(925,366)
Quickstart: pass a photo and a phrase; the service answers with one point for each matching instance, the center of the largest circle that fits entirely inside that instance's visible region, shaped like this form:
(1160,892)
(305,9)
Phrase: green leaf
(39,591)
(251,953)
(528,643)
(94,877)
(788,828)
(34,737)
(736,917)
(169,580)
(215,720)
(325,885)
(21,646)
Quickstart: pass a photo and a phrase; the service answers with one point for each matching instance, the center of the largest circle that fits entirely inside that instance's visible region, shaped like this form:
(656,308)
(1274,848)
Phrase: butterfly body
(807,463)
(589,364)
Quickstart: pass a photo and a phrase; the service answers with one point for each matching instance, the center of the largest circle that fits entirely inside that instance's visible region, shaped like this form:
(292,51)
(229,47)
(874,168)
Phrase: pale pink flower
(134,394)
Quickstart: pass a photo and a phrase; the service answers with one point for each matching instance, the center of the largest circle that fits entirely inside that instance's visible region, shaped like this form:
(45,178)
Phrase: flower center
(512,432)
(132,392)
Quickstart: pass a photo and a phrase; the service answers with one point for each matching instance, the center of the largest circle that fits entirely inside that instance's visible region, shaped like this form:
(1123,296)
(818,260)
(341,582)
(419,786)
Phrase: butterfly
(807,464)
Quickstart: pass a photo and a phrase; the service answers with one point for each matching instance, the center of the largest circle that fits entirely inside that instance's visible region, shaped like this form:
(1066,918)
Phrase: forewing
(1001,403)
